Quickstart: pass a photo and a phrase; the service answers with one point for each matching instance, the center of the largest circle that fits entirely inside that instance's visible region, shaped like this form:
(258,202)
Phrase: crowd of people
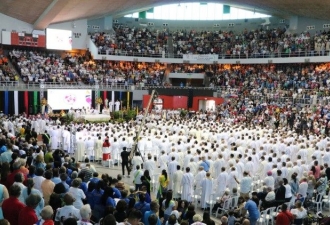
(37,67)
(7,74)
(132,41)
(257,43)
(236,164)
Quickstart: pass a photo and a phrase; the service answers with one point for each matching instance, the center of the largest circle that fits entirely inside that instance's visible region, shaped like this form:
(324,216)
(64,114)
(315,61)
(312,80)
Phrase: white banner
(208,57)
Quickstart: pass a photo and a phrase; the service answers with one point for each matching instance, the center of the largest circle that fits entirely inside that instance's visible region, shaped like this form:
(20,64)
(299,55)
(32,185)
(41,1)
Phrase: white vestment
(187,184)
(207,190)
(80,152)
(150,165)
(172,167)
(98,149)
(177,178)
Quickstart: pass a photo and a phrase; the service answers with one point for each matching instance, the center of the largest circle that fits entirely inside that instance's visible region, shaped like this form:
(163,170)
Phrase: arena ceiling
(41,13)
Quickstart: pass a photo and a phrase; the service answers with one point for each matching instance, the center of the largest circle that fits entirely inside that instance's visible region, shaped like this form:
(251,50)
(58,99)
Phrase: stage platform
(96,117)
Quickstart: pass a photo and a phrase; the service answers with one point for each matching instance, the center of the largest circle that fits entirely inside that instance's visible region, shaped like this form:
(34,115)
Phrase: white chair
(196,197)
(234,202)
(111,163)
(266,217)
(326,202)
(317,202)
(225,207)
(211,201)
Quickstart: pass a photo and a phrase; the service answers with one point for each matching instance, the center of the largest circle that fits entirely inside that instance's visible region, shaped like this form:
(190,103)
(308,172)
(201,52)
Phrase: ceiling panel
(30,10)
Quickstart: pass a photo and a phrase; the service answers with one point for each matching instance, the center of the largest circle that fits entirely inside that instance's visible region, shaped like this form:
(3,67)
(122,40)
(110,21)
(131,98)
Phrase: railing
(227,56)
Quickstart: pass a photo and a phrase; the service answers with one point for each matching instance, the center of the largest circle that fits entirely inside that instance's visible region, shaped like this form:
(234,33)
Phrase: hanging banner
(192,57)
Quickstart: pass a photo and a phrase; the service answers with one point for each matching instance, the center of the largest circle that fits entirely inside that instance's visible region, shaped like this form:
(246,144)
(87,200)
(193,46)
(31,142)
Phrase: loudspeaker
(190,98)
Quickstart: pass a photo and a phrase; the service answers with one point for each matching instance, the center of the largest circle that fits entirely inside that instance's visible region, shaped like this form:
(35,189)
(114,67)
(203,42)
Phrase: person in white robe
(163,160)
(232,179)
(207,190)
(117,105)
(115,150)
(187,184)
(136,161)
(172,167)
(150,165)
(98,148)
(90,148)
(193,166)
(66,140)
(54,139)
(222,181)
(177,178)
(111,104)
(80,152)
(199,177)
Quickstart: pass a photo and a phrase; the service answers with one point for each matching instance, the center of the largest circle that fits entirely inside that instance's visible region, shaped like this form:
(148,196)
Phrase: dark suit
(124,158)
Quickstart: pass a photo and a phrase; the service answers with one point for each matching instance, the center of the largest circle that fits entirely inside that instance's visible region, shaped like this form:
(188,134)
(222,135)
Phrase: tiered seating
(132,41)
(36,67)
(258,43)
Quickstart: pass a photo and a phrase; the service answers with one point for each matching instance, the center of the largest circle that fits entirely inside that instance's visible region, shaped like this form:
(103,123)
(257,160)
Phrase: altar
(96,117)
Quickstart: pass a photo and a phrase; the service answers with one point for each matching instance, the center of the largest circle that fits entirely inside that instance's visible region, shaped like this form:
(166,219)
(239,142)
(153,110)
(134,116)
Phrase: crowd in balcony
(257,43)
(7,73)
(36,67)
(132,41)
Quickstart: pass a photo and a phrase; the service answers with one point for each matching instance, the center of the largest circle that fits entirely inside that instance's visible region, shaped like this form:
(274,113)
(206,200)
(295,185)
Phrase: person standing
(98,149)
(207,189)
(245,185)
(28,214)
(137,178)
(253,210)
(177,177)
(124,161)
(187,184)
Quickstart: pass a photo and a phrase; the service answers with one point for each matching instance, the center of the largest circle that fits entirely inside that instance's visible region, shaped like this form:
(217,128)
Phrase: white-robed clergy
(54,139)
(187,184)
(90,148)
(177,178)
(207,190)
(66,140)
(222,181)
(150,165)
(115,150)
(163,160)
(98,148)
(199,177)
(80,151)
(171,170)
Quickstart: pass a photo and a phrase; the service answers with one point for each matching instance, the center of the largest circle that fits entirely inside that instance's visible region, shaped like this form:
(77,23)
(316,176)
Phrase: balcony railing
(225,56)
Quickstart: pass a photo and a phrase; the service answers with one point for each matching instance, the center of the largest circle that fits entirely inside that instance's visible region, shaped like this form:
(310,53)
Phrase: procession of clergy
(197,154)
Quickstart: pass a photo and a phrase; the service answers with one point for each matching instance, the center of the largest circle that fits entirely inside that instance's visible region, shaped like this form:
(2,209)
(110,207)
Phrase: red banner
(30,40)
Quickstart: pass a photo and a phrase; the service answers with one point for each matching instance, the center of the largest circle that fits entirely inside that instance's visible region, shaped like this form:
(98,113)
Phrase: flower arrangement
(43,101)
(98,101)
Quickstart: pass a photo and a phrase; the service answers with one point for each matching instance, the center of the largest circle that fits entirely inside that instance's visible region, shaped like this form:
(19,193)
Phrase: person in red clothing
(11,207)
(285,217)
(47,215)
(18,168)
(27,215)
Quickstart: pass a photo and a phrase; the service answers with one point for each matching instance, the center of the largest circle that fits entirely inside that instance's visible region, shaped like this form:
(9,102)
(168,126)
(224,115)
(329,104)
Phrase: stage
(96,117)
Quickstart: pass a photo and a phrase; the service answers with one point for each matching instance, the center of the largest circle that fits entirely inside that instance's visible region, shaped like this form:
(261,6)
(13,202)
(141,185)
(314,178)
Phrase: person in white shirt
(245,185)
(137,178)
(38,179)
(303,186)
(269,181)
(85,213)
(67,211)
